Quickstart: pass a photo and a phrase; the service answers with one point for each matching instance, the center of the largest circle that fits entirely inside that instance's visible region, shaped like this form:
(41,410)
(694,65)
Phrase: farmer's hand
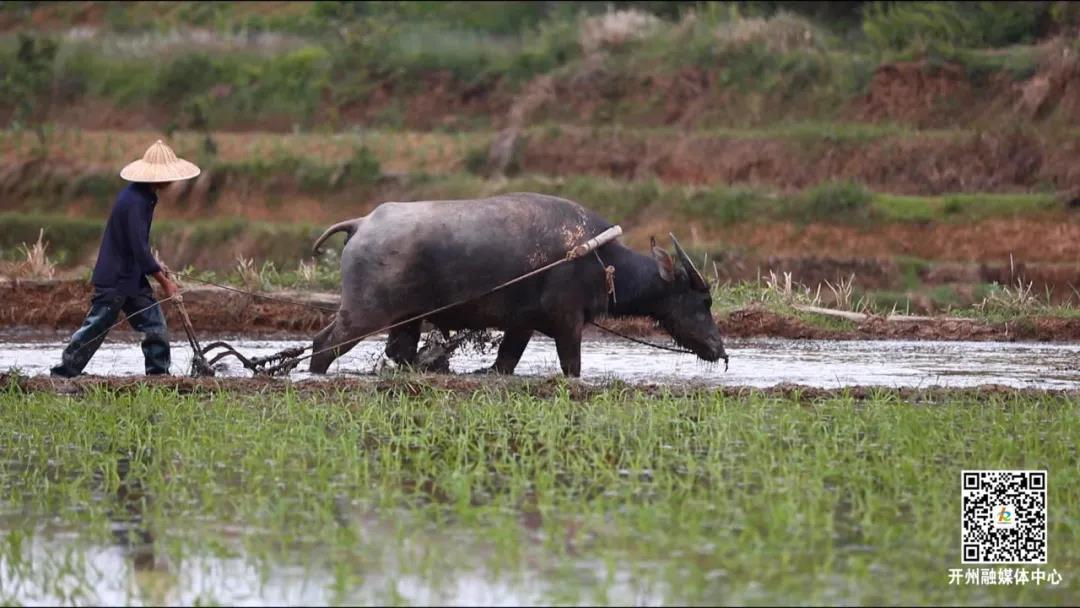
(171,289)
(167,284)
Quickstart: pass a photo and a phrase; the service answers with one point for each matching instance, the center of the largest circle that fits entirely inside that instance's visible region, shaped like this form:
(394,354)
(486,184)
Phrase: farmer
(123,263)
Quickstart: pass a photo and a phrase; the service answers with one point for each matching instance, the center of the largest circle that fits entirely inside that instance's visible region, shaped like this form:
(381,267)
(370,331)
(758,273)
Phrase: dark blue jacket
(124,258)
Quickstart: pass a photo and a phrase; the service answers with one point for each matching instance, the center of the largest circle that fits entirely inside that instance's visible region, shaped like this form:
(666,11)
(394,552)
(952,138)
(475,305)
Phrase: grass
(960,207)
(203,243)
(298,64)
(366,496)
(401,151)
(395,152)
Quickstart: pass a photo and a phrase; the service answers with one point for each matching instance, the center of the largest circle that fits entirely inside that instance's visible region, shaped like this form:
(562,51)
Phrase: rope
(639,341)
(571,255)
(580,250)
(255,294)
(651,344)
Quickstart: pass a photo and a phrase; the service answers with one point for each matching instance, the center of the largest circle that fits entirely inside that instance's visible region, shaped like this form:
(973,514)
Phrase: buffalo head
(684,309)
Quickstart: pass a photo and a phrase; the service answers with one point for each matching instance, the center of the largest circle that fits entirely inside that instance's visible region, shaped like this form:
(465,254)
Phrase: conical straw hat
(159,164)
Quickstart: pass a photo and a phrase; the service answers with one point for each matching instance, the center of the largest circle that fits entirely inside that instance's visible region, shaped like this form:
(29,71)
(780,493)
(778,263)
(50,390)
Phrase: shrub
(842,201)
(363,167)
(188,73)
(476,160)
(28,80)
(721,204)
(902,26)
(781,33)
(615,29)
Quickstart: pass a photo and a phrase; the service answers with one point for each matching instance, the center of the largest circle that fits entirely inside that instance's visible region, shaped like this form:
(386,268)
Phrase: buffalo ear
(664,264)
(696,280)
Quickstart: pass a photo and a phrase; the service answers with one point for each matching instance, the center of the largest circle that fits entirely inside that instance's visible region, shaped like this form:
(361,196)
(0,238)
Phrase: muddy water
(759,363)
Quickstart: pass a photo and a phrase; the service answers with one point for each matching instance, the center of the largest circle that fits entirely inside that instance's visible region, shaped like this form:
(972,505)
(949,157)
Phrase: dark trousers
(105,306)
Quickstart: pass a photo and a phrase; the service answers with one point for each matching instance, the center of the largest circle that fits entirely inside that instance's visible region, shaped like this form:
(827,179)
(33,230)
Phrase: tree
(29,83)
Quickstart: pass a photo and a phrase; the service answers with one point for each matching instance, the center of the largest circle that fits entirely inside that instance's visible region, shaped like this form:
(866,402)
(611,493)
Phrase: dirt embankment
(468,386)
(991,242)
(63,304)
(920,164)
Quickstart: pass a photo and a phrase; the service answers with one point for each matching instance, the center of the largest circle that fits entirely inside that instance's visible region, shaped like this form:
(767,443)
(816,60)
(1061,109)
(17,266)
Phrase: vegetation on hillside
(411,100)
(215,65)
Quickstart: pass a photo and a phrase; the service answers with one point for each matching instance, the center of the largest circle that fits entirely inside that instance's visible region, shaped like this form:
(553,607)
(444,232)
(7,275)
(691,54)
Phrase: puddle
(758,363)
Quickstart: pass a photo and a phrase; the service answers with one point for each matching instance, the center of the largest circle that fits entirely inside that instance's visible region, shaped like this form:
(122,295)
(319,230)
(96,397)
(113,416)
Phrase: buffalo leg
(402,342)
(337,339)
(568,345)
(513,346)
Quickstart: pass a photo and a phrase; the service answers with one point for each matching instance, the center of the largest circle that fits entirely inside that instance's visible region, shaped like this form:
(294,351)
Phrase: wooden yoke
(601,239)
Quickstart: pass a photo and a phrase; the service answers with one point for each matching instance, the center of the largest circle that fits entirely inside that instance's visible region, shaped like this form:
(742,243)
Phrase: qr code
(1003,517)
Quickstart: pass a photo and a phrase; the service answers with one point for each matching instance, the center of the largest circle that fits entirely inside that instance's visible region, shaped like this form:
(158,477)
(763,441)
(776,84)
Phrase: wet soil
(467,386)
(62,305)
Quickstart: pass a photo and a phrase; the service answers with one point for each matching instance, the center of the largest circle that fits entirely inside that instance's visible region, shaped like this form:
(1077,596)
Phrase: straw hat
(159,164)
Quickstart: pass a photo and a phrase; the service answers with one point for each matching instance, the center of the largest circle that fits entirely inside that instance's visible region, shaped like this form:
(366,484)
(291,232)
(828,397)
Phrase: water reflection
(129,530)
(150,575)
(759,363)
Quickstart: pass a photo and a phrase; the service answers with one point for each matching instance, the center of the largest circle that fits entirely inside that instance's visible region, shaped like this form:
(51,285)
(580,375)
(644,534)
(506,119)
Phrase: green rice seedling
(401,489)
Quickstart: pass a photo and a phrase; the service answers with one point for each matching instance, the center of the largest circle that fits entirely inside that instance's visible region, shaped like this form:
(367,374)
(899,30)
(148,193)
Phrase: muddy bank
(991,241)
(62,305)
(924,164)
(417,385)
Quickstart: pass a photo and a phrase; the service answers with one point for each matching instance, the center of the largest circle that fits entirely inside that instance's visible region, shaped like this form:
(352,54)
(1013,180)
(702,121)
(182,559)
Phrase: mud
(468,386)
(212,311)
(62,305)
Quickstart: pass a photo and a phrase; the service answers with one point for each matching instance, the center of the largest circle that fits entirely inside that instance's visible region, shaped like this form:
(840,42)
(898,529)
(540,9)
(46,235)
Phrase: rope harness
(283,362)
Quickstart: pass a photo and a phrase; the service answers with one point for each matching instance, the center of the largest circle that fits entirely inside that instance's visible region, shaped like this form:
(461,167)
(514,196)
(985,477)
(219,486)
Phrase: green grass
(960,207)
(705,498)
(203,243)
(337,54)
(809,131)
(841,202)
(42,204)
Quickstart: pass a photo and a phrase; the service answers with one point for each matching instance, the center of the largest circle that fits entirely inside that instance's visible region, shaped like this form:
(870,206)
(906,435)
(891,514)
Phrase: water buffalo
(404,259)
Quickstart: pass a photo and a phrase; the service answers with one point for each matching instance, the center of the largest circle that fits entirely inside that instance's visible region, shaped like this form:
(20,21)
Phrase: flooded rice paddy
(757,363)
(153,496)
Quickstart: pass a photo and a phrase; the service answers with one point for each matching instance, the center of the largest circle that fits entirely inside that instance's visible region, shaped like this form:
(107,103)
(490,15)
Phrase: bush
(782,33)
(280,170)
(27,82)
(615,29)
(363,167)
(721,204)
(843,201)
(476,160)
(903,26)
